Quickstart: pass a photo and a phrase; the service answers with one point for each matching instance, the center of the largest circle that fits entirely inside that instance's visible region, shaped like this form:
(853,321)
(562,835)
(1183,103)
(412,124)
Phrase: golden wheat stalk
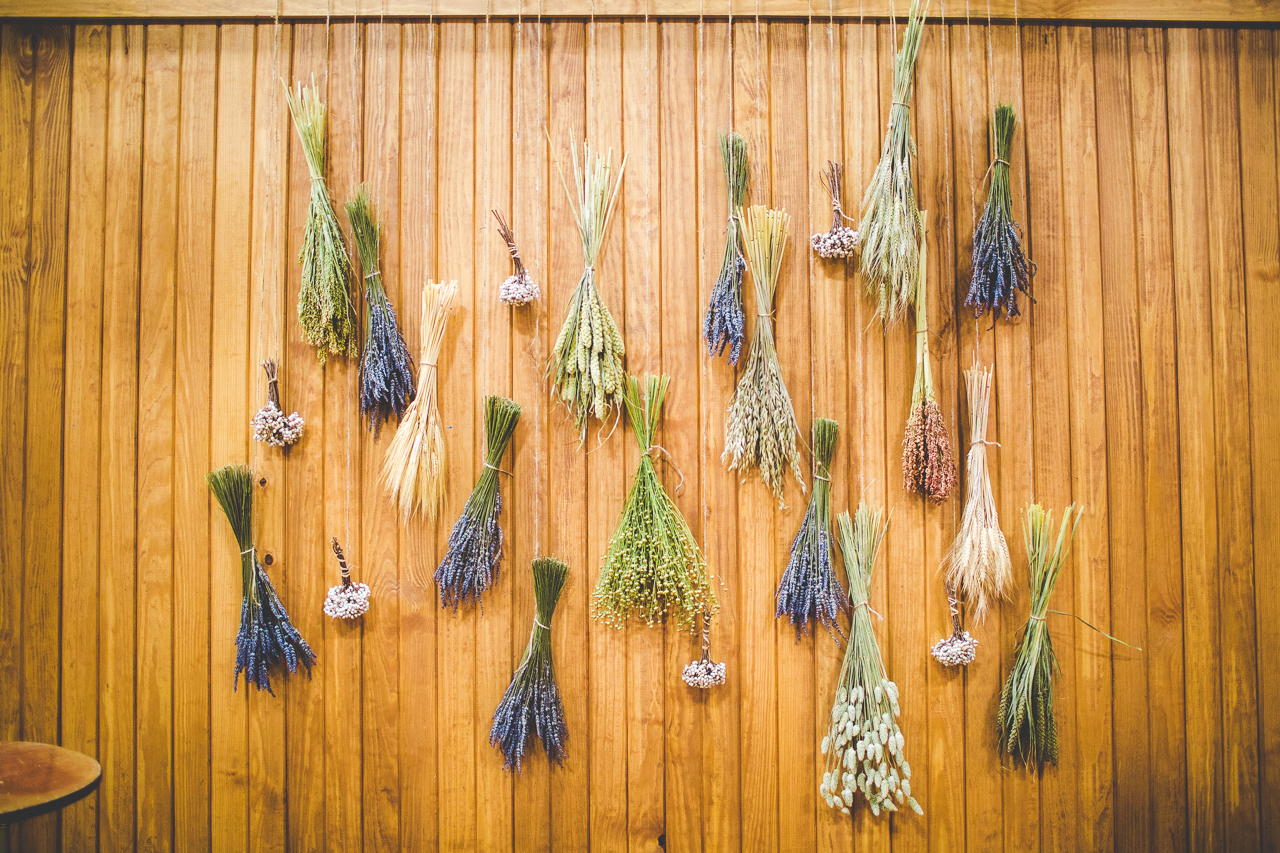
(414,468)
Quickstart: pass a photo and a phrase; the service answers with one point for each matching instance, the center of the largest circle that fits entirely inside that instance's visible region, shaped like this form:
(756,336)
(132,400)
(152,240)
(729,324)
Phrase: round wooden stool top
(36,778)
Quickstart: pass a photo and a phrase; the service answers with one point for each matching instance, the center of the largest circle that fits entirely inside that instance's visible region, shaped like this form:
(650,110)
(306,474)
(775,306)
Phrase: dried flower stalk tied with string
(960,648)
(271,425)
(585,366)
(928,466)
(704,673)
(863,744)
(1000,266)
(1025,723)
(724,324)
(841,241)
(809,589)
(761,428)
(347,600)
(470,564)
(519,288)
(531,704)
(325,311)
(978,566)
(386,378)
(653,567)
(413,471)
(266,636)
(891,229)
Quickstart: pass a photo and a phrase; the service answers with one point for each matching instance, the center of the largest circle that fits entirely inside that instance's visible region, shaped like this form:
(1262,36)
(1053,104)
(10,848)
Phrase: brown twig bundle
(414,470)
(978,564)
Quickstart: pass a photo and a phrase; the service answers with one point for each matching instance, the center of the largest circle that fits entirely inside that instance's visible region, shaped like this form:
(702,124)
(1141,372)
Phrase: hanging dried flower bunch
(977,566)
(704,673)
(324,302)
(725,324)
(1025,721)
(891,230)
(863,744)
(531,705)
(810,589)
(1000,267)
(761,427)
(653,566)
(271,425)
(347,600)
(413,471)
(841,241)
(386,379)
(519,288)
(927,464)
(586,364)
(475,544)
(959,649)
(266,635)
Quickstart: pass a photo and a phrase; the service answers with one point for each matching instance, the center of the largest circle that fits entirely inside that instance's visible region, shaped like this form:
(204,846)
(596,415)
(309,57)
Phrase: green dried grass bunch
(863,744)
(324,302)
(586,364)
(890,231)
(761,428)
(653,566)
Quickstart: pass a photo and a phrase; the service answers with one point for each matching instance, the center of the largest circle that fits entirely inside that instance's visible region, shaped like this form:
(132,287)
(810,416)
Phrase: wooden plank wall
(152,200)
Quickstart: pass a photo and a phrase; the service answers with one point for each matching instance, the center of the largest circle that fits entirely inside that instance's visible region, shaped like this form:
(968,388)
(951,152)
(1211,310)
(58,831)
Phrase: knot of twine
(820,477)
(978,441)
(508,473)
(539,624)
(870,609)
(670,461)
(1036,618)
(251,550)
(376,272)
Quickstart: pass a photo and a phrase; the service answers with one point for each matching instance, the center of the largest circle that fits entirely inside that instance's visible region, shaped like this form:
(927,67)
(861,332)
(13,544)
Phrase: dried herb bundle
(891,227)
(809,587)
(653,566)
(414,468)
(475,544)
(347,600)
(1000,267)
(1025,722)
(386,380)
(761,427)
(519,288)
(271,425)
(841,241)
(960,648)
(531,705)
(725,324)
(928,466)
(863,744)
(324,302)
(977,566)
(266,635)
(586,364)
(704,673)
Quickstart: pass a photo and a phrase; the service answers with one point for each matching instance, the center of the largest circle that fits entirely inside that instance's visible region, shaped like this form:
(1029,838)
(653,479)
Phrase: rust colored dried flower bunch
(928,466)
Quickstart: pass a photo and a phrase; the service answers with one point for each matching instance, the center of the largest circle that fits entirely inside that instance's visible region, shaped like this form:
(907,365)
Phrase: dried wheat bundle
(413,471)
(977,566)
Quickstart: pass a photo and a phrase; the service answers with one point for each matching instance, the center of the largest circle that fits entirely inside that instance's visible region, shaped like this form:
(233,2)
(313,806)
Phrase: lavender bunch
(841,241)
(475,545)
(386,380)
(532,703)
(809,587)
(1000,267)
(266,635)
(725,324)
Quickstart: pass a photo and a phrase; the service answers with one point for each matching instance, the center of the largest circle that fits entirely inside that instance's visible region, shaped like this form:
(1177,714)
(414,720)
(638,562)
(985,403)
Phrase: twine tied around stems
(817,476)
(670,461)
(500,471)
(250,550)
(342,563)
(870,609)
(978,441)
(539,624)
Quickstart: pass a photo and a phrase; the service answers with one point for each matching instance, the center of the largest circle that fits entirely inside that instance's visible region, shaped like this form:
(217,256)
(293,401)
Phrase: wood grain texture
(153,212)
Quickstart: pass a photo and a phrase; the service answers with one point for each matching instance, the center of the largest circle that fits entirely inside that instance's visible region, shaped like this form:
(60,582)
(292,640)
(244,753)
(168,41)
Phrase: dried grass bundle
(841,241)
(586,363)
(891,228)
(324,301)
(977,566)
(413,471)
(725,324)
(761,428)
(1000,267)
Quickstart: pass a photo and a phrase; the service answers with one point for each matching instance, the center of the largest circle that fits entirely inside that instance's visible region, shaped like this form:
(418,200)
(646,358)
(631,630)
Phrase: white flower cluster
(272,426)
(704,674)
(957,650)
(347,601)
(839,242)
(866,748)
(519,289)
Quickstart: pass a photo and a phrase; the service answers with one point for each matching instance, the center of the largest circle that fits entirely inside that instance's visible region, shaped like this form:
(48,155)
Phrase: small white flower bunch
(271,425)
(841,241)
(957,650)
(519,288)
(704,673)
(864,745)
(347,600)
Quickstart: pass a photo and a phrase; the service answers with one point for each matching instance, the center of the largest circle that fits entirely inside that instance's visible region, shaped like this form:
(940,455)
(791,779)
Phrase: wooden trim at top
(1152,11)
